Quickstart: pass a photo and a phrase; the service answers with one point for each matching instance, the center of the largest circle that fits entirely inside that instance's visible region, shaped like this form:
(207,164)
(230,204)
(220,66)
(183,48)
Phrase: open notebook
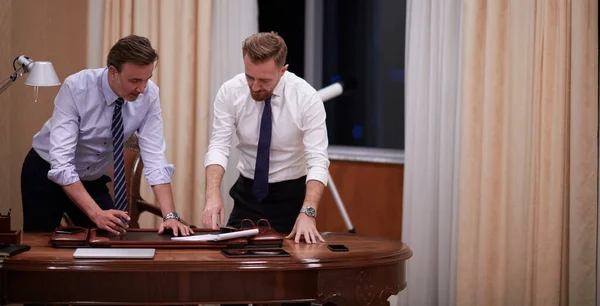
(121,253)
(218,237)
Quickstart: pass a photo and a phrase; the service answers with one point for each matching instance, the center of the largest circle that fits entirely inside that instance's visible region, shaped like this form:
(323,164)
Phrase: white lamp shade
(42,74)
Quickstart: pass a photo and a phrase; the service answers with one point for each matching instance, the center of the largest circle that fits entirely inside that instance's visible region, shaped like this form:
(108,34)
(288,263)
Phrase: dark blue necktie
(118,146)
(260,187)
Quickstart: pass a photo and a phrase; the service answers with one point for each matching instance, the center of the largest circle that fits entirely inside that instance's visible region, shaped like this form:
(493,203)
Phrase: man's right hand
(109,220)
(213,210)
(104,219)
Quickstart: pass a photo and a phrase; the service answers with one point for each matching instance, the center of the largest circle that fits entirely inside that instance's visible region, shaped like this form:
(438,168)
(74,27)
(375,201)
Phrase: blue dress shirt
(77,140)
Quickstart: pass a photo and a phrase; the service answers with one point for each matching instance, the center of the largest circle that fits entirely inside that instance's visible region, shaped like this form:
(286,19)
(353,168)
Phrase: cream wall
(49,30)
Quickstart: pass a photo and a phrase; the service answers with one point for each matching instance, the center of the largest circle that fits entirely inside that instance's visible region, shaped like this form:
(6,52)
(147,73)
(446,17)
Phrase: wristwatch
(172,215)
(309,211)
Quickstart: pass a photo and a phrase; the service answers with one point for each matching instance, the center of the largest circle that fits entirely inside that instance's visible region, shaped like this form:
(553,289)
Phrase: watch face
(310,211)
(172,215)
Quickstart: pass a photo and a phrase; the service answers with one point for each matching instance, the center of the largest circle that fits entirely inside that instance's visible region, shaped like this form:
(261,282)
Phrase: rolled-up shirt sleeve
(63,137)
(315,140)
(223,128)
(152,145)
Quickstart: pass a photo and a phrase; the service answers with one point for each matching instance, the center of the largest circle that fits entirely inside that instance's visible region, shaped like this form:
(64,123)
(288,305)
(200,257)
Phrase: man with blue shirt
(95,111)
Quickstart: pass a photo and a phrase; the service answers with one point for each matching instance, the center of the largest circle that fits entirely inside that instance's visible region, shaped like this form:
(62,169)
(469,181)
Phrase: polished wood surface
(369,273)
(372,196)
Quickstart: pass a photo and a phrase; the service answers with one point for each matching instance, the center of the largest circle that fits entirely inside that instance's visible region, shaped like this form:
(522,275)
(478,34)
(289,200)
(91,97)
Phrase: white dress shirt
(77,139)
(299,134)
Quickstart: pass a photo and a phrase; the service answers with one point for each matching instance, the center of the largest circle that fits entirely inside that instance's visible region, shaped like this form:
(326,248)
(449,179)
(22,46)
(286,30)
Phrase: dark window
(287,19)
(361,39)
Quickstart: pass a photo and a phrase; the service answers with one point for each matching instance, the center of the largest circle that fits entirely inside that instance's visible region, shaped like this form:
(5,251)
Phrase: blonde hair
(261,47)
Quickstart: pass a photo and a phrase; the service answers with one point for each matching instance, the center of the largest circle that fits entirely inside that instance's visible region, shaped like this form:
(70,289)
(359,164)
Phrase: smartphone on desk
(337,247)
(233,253)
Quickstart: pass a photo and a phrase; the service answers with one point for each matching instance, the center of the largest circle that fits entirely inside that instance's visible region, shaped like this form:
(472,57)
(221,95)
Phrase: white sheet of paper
(218,237)
(127,253)
(206,237)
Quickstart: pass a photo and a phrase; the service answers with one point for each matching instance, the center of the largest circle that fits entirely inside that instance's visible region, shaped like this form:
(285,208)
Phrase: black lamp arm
(18,72)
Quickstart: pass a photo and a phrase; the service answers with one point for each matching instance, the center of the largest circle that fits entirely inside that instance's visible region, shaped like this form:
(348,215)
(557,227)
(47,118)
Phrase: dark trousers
(280,207)
(45,202)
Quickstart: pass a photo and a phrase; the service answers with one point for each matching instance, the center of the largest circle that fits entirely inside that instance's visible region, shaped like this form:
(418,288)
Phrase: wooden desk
(369,273)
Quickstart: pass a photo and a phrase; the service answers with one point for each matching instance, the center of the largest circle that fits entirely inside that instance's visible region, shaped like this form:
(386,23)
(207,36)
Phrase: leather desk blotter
(73,236)
(266,237)
(69,236)
(149,238)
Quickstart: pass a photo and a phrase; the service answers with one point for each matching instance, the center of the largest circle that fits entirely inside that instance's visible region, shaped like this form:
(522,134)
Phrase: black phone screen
(254,253)
(337,247)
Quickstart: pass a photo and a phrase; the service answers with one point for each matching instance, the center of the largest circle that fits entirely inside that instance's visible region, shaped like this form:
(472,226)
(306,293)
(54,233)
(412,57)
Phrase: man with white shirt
(280,123)
(95,111)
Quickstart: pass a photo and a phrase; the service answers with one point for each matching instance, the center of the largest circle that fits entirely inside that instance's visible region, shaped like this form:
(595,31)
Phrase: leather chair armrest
(149,207)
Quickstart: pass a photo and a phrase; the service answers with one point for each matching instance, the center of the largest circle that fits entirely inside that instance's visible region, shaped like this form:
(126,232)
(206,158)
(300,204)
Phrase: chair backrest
(134,167)
(133,176)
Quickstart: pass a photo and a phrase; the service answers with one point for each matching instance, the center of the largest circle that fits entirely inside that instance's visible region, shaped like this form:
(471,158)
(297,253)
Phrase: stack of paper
(218,237)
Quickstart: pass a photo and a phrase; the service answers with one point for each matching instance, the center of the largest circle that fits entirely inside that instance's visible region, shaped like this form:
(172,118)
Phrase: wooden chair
(134,166)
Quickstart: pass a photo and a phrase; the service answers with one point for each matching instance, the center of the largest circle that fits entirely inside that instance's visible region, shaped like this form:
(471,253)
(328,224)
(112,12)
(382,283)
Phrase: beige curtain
(528,174)
(180,31)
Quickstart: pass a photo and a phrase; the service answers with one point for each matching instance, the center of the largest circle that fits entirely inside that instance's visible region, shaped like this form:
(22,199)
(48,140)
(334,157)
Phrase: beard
(260,95)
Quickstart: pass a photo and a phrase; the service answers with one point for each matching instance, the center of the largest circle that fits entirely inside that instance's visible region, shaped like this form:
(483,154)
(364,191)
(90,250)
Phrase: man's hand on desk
(305,226)
(176,226)
(110,220)
(214,211)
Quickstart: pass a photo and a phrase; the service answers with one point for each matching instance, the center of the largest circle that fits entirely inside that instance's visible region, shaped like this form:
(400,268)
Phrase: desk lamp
(40,74)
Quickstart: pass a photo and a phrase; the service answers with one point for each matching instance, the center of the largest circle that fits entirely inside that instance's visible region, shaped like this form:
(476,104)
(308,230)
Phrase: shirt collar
(109,95)
(278,91)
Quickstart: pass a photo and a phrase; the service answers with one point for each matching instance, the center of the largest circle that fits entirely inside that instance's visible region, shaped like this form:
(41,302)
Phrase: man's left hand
(176,226)
(305,226)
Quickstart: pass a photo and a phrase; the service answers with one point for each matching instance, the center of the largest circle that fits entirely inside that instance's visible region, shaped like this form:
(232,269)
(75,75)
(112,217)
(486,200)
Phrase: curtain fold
(432,148)
(233,21)
(583,154)
(528,183)
(181,33)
